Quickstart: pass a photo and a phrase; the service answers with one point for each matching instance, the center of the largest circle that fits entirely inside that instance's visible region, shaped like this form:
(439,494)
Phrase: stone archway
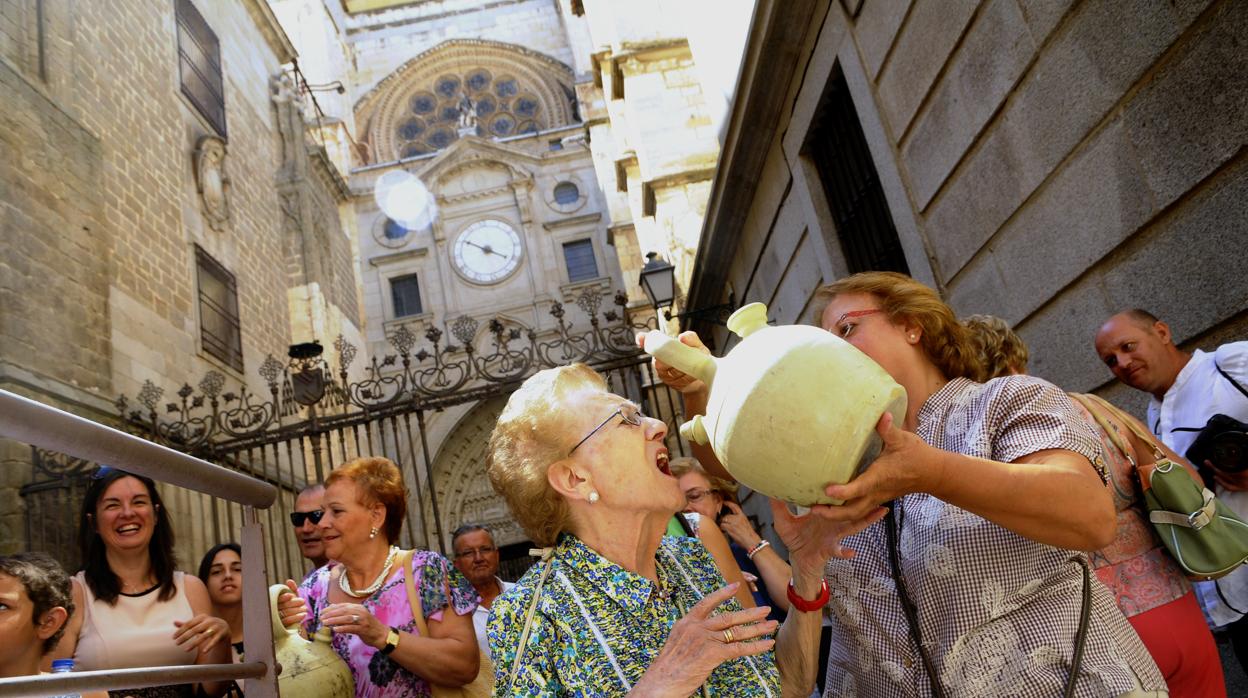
(463,489)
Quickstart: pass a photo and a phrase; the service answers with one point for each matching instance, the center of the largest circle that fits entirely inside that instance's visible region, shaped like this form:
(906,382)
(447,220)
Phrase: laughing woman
(134,608)
(615,607)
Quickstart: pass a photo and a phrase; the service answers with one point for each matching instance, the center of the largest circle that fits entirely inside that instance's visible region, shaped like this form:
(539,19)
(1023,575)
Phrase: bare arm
(775,572)
(717,545)
(448,657)
(1052,496)
(194,636)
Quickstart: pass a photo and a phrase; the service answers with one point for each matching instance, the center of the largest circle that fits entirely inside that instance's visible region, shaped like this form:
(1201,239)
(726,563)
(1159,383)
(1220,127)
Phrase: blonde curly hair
(529,437)
(999,351)
(945,341)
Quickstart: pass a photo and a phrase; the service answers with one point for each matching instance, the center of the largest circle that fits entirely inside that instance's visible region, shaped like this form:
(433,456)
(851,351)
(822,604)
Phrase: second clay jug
(309,667)
(791,408)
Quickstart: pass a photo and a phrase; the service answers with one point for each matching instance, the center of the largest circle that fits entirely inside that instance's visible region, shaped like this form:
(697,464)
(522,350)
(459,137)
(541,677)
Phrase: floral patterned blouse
(376,674)
(1136,566)
(598,627)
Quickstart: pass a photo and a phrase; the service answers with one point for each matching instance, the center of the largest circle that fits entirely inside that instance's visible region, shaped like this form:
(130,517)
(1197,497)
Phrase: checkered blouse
(997,611)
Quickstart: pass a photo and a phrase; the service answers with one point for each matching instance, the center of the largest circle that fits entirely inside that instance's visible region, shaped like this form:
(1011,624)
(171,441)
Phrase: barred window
(219,329)
(579,256)
(863,223)
(199,65)
(405,292)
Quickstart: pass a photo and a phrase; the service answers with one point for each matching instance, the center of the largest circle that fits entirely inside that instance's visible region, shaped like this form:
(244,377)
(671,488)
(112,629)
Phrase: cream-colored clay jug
(791,409)
(309,667)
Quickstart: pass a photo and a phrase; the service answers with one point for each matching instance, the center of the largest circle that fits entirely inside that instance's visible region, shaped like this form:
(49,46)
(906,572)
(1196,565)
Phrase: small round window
(395,230)
(566,193)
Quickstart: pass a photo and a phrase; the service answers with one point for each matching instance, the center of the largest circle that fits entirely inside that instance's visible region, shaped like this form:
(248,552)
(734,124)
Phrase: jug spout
(748,319)
(680,356)
(695,431)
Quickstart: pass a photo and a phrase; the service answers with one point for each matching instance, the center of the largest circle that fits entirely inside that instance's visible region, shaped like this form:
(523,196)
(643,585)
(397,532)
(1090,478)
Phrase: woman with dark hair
(221,571)
(134,609)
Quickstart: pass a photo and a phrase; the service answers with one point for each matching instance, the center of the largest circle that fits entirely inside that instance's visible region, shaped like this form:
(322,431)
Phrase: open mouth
(660,461)
(128,529)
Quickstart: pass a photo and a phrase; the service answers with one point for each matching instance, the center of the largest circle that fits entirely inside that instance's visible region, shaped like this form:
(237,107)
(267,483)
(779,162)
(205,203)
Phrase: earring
(372,533)
(913,337)
(593,496)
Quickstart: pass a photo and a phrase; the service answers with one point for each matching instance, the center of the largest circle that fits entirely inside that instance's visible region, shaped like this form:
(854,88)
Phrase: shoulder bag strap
(1094,408)
(1123,417)
(413,599)
(891,531)
(1227,376)
(546,554)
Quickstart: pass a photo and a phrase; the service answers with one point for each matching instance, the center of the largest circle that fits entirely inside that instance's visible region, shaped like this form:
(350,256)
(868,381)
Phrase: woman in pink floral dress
(362,597)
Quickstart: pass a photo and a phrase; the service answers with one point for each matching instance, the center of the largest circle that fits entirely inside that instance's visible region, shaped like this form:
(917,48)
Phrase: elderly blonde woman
(974,584)
(614,607)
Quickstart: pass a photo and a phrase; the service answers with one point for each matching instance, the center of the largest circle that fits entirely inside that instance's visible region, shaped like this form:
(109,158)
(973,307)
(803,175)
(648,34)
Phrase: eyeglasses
(843,331)
(474,552)
(630,413)
(102,472)
(696,495)
(297,517)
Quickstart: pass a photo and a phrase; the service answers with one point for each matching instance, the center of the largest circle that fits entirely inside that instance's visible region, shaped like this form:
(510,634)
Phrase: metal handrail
(121,679)
(31,422)
(34,423)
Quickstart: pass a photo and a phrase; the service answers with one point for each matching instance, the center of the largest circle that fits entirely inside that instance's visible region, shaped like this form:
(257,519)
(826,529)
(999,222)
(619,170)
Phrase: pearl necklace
(345,584)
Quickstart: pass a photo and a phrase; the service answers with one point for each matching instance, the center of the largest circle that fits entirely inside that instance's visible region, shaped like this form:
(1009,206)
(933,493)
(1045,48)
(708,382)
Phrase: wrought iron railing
(445,372)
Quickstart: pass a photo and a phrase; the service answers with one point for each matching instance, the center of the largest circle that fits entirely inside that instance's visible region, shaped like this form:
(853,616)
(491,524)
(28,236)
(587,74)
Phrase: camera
(1224,443)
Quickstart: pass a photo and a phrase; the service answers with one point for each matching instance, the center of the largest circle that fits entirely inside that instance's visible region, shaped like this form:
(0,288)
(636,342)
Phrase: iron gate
(314,418)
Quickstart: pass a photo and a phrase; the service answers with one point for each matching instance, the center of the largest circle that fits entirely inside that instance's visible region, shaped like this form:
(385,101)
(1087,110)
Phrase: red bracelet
(807,606)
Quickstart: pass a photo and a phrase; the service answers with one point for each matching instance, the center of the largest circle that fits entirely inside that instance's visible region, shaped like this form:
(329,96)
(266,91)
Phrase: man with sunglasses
(304,518)
(476,557)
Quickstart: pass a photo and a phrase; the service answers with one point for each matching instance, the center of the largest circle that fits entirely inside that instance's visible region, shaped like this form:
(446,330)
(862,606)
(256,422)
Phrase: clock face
(486,251)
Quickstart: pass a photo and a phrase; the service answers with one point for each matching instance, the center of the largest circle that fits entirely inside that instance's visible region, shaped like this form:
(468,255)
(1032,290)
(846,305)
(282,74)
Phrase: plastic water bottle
(63,666)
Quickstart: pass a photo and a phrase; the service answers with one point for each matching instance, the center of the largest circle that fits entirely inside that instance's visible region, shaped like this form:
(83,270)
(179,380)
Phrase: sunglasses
(297,517)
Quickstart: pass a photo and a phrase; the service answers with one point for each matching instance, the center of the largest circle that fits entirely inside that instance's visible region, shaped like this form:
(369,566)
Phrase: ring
(355,618)
(209,631)
(728,638)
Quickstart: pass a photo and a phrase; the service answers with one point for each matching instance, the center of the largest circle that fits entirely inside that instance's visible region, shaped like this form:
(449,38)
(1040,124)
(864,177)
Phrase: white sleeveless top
(136,632)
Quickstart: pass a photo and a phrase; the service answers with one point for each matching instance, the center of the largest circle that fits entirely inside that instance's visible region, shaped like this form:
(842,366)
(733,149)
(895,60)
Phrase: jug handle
(275,593)
(680,356)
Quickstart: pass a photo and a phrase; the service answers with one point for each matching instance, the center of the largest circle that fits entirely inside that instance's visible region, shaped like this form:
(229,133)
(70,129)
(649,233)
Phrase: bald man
(1187,389)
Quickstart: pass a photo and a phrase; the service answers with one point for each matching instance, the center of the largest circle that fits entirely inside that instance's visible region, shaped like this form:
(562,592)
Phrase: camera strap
(1227,376)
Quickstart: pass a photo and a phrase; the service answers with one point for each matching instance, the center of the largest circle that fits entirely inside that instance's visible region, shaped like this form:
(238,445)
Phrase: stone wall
(1050,163)
(101,213)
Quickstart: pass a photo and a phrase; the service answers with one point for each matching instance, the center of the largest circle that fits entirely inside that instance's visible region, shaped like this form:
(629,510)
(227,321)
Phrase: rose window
(503,107)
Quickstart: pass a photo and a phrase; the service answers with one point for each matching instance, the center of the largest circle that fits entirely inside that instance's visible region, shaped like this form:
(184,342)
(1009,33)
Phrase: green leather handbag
(1202,534)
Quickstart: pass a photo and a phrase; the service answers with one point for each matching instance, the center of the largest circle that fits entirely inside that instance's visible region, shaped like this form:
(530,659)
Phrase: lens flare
(405,200)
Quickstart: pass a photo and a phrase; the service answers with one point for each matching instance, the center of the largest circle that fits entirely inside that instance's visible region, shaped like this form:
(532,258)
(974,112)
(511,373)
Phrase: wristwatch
(392,641)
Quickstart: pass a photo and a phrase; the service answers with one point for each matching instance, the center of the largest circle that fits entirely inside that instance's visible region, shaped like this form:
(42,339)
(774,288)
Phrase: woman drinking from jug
(361,595)
(614,607)
(973,584)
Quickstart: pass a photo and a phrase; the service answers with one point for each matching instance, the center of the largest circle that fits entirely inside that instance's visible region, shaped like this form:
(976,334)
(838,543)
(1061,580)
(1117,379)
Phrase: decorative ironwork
(434,376)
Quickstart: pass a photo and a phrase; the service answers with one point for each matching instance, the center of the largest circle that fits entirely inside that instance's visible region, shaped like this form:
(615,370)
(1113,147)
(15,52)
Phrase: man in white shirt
(1187,389)
(476,557)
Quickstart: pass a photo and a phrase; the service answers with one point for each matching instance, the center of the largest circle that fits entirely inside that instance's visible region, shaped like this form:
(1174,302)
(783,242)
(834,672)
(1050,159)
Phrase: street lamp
(658,280)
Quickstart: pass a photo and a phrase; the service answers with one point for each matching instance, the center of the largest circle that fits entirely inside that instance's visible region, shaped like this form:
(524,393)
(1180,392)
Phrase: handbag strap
(1095,403)
(1081,635)
(546,554)
(413,599)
